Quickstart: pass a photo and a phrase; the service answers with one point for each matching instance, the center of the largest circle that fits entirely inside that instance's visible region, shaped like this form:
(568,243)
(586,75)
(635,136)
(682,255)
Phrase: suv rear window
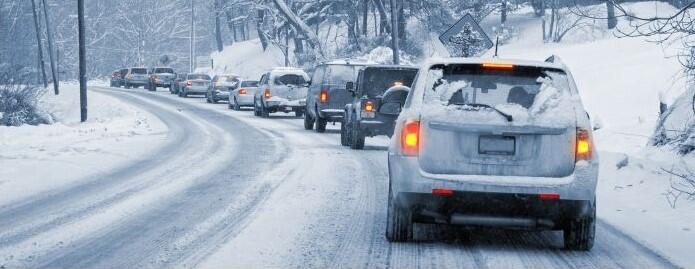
(341,74)
(163,70)
(290,79)
(249,83)
(375,81)
(199,76)
(138,71)
(471,84)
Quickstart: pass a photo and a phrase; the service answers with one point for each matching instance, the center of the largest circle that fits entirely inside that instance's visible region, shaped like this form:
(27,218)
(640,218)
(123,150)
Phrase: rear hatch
(375,81)
(290,86)
(336,78)
(510,121)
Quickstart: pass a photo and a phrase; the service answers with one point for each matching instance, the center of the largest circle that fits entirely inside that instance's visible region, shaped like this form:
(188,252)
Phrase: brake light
(549,196)
(369,106)
(583,147)
(410,138)
(323,97)
(242,91)
(267,94)
(443,192)
(498,66)
(189,83)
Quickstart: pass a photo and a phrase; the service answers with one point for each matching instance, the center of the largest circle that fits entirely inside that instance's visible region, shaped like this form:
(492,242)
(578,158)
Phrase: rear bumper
(277,103)
(489,209)
(196,90)
(221,95)
(244,100)
(137,82)
(374,127)
(332,114)
(406,176)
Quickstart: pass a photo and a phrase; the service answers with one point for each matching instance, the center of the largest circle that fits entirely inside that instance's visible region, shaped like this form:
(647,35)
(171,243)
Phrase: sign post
(466,38)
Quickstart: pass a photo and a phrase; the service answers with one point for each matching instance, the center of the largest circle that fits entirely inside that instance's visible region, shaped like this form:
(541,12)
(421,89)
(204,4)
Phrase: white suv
(494,143)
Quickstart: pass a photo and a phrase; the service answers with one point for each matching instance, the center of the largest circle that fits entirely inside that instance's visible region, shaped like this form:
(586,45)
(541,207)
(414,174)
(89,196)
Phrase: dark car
(115,80)
(221,85)
(327,95)
(177,84)
(376,103)
(161,77)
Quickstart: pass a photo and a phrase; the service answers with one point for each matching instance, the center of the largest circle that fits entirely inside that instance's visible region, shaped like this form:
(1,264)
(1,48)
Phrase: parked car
(115,80)
(494,143)
(161,77)
(195,84)
(373,110)
(282,90)
(136,77)
(221,85)
(178,83)
(327,95)
(242,95)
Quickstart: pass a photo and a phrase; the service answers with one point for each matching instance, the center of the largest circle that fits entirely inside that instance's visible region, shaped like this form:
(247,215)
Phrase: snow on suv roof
(345,62)
(556,64)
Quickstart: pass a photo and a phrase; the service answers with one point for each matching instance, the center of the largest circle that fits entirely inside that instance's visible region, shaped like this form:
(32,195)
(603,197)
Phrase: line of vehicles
(474,142)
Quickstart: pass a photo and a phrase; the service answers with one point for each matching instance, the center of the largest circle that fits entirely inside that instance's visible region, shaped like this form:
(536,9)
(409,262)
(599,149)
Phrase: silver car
(242,95)
(195,84)
(136,77)
(494,143)
(221,85)
(282,90)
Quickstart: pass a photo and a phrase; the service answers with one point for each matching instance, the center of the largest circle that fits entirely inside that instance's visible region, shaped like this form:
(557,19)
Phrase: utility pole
(50,48)
(83,64)
(38,40)
(394,32)
(192,45)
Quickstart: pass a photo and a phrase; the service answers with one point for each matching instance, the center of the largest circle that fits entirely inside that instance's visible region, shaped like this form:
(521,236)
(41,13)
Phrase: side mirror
(350,86)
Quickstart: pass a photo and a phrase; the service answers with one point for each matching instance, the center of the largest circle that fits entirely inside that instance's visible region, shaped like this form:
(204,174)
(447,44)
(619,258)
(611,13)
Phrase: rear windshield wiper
(505,115)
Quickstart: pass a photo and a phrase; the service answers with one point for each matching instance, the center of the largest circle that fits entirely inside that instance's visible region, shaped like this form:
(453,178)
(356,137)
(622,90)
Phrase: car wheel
(308,122)
(127,86)
(264,111)
(399,225)
(320,123)
(213,99)
(356,136)
(343,133)
(579,233)
(255,108)
(237,107)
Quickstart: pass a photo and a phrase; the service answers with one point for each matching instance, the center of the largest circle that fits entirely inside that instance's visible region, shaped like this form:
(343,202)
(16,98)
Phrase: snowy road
(232,190)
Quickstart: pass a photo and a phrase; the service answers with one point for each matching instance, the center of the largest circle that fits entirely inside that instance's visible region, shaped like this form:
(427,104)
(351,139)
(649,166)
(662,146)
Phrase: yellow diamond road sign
(466,38)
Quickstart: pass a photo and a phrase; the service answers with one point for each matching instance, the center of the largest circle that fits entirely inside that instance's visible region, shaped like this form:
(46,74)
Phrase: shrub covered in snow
(19,102)
(676,127)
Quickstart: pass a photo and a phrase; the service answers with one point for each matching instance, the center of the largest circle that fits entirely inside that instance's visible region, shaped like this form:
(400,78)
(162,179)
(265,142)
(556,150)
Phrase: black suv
(376,103)
(327,95)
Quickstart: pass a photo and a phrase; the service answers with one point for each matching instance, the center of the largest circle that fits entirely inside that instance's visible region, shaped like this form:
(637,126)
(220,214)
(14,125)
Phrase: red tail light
(549,196)
(443,192)
(267,94)
(410,138)
(323,97)
(242,91)
(369,106)
(583,147)
(189,83)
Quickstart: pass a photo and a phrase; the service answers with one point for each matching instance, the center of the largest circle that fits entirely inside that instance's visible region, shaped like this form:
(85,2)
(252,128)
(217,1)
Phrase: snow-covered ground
(42,158)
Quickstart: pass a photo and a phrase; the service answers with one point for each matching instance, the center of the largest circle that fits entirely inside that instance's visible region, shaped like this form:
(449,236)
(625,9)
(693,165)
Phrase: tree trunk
(259,28)
(394,33)
(50,50)
(551,29)
(383,18)
(503,12)
(365,17)
(42,65)
(299,25)
(218,29)
(610,10)
(401,20)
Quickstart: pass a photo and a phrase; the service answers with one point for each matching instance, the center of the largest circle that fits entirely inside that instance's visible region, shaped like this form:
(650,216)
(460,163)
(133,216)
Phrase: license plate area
(497,145)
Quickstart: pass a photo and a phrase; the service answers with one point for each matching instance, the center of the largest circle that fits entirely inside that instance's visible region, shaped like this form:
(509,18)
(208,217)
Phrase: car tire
(127,86)
(579,234)
(308,122)
(356,136)
(264,111)
(399,225)
(344,140)
(152,87)
(237,107)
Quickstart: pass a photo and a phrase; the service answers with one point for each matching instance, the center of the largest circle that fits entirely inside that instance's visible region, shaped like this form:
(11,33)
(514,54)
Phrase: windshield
(198,76)
(163,70)
(459,85)
(290,79)
(376,81)
(249,83)
(138,71)
(341,74)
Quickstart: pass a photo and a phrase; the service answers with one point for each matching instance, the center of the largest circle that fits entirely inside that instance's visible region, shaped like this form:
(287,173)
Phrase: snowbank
(247,59)
(40,158)
(676,128)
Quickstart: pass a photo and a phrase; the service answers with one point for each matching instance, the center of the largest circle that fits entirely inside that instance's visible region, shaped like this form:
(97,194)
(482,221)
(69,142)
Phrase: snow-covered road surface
(232,190)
